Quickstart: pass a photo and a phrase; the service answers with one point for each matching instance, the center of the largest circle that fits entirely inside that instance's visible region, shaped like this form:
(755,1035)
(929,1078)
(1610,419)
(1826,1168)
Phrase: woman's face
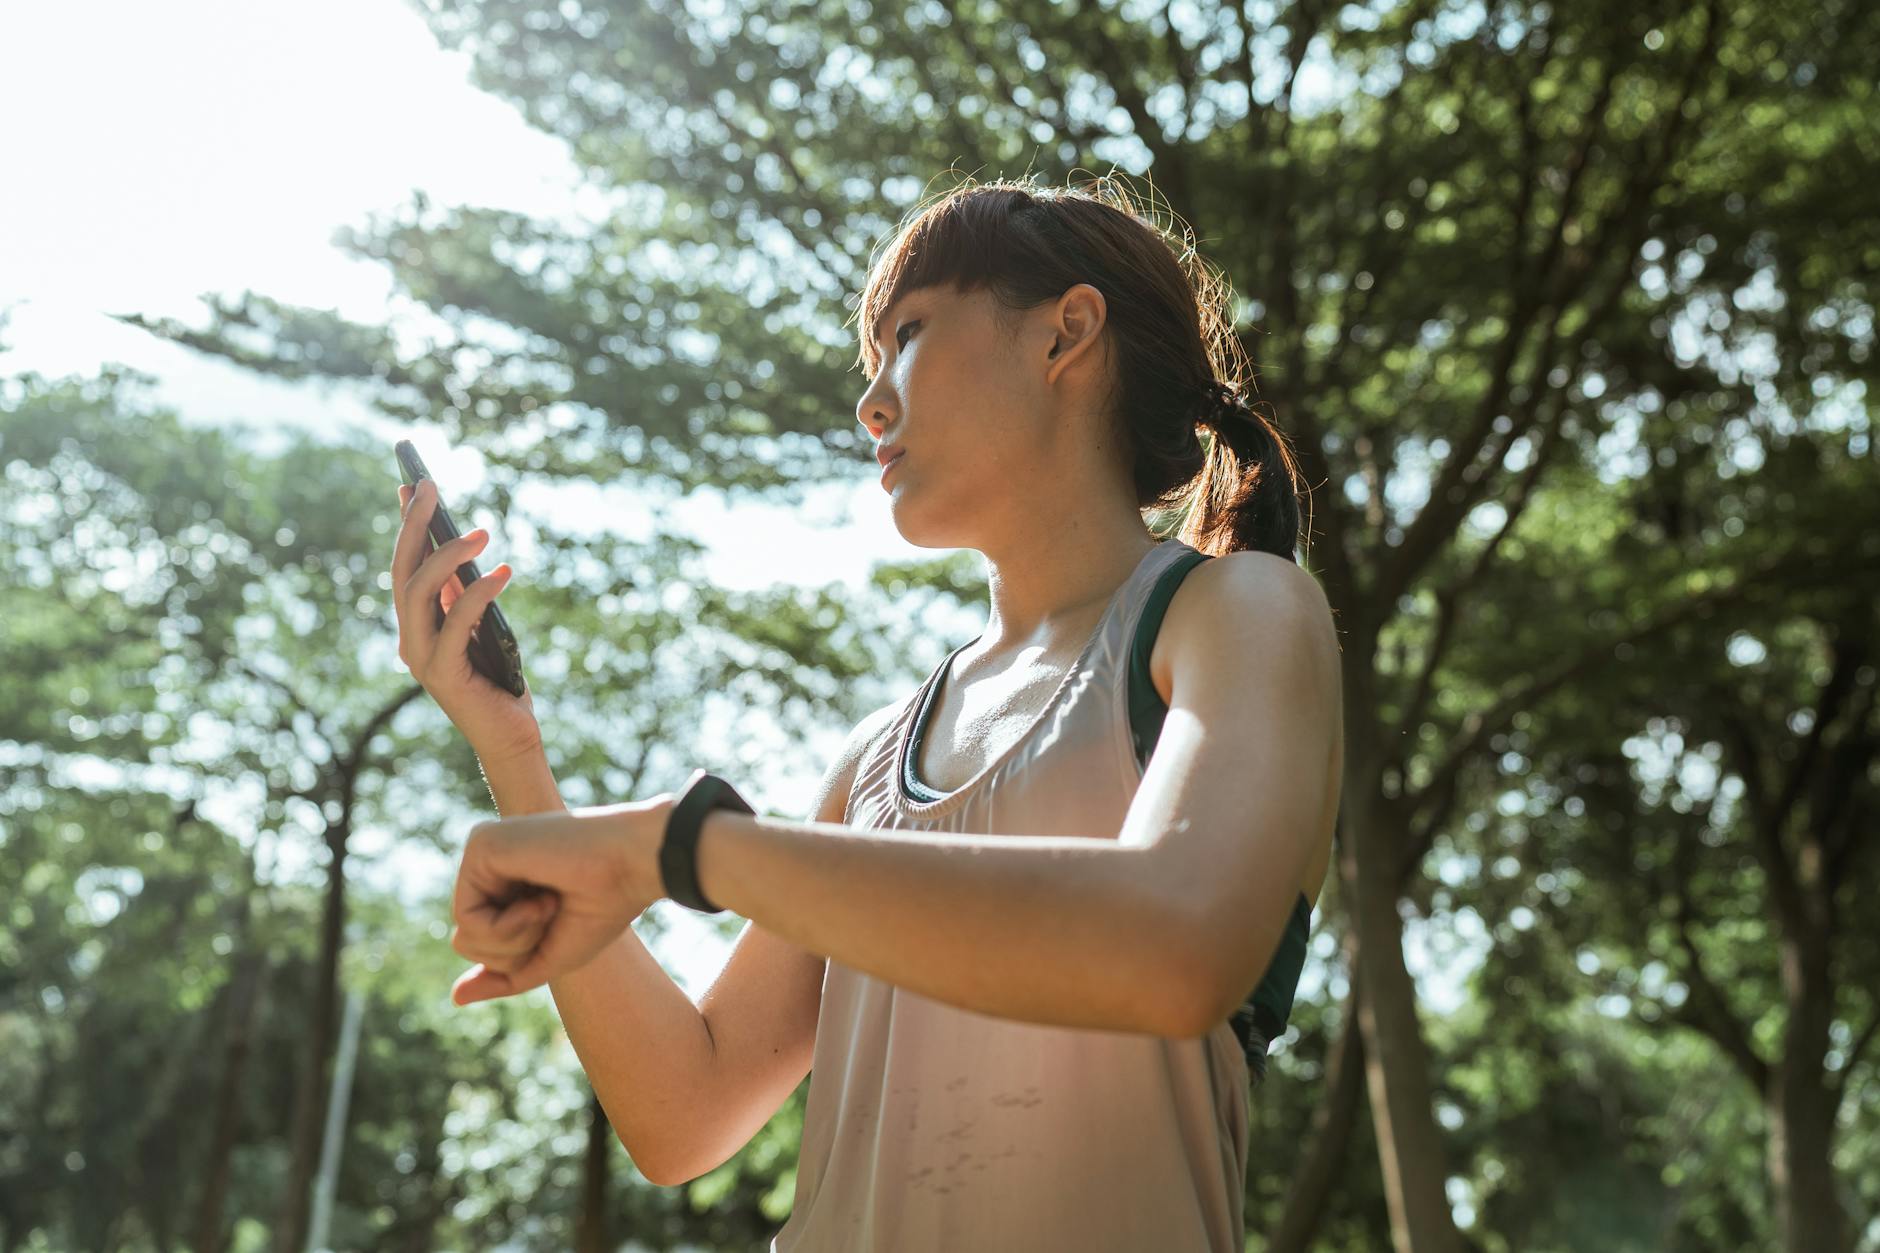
(976,404)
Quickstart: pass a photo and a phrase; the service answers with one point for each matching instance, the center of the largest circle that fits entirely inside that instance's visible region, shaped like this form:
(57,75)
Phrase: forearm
(640,1039)
(1057,930)
(522,784)
(646,1051)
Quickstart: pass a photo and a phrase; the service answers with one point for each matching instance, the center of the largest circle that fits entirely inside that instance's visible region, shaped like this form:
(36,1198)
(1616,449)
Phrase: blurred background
(1568,308)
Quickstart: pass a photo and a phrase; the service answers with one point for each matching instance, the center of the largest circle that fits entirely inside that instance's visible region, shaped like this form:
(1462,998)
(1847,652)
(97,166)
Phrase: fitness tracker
(678,850)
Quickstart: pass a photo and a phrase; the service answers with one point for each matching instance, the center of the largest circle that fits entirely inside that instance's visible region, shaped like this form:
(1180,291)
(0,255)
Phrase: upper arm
(1242,787)
(761,1010)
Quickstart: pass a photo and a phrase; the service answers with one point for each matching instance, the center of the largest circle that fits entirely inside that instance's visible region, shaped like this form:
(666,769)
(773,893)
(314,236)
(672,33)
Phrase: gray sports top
(930,1127)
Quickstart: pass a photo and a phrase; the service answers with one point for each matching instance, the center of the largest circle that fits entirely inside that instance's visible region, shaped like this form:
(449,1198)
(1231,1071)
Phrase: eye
(898,342)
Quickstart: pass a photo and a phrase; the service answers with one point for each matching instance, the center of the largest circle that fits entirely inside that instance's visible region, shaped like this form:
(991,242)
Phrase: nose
(871,412)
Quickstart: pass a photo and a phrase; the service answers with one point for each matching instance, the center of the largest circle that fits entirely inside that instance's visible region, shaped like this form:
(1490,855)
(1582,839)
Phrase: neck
(1048,592)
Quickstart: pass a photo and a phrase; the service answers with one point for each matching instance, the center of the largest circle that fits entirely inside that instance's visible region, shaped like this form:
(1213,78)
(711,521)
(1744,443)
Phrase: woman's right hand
(498,725)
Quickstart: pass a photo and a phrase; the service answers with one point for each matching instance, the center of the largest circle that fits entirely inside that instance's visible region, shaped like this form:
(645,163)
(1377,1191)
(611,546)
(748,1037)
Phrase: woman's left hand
(539,895)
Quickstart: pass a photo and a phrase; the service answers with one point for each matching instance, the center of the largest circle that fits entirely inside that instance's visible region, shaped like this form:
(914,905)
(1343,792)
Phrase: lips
(890,463)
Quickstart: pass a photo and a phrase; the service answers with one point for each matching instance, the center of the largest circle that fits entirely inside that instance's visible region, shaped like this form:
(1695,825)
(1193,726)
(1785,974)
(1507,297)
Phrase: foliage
(1569,309)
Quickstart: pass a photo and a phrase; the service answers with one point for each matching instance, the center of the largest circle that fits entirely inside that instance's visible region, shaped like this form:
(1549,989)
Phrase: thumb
(480,983)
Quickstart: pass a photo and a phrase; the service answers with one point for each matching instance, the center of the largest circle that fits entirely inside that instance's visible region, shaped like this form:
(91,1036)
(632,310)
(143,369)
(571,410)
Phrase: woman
(1055,901)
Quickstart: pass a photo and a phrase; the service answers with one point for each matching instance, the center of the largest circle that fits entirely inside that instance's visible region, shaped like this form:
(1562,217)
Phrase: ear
(1076,327)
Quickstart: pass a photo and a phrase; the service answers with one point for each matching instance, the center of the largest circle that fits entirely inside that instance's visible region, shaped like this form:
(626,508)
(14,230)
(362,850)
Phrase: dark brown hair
(1179,365)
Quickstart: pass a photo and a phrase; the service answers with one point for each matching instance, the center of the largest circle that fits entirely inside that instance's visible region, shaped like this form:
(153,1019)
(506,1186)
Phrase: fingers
(505,931)
(467,610)
(502,938)
(483,982)
(421,615)
(479,983)
(408,550)
(436,570)
(418,580)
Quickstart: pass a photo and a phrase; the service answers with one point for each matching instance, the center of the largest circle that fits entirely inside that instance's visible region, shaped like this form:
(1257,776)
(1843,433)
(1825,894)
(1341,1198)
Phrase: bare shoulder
(1258,591)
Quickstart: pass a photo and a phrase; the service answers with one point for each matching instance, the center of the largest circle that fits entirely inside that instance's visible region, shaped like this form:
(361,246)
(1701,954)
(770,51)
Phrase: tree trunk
(1396,1061)
(1800,1109)
(290,1233)
(1312,1181)
(592,1238)
(246,990)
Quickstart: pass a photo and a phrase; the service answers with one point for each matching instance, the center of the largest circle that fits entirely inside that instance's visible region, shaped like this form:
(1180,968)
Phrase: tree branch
(1839,1090)
(1449,598)
(1478,726)
(1707,1009)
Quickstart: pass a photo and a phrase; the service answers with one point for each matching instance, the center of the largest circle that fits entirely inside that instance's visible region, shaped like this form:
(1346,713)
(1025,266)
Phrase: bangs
(962,241)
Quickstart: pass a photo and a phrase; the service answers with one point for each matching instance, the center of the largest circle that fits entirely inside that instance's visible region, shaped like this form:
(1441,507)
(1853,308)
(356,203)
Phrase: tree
(196,631)
(1494,259)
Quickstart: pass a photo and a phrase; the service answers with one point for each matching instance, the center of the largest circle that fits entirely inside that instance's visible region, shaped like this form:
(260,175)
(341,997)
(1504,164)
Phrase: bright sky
(214,146)
(161,151)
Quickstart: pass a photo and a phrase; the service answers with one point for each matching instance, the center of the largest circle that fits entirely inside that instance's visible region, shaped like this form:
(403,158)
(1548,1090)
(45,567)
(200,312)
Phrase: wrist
(521,783)
(523,753)
(640,850)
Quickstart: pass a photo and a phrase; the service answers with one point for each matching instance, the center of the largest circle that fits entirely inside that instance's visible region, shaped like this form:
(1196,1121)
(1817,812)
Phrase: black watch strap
(678,851)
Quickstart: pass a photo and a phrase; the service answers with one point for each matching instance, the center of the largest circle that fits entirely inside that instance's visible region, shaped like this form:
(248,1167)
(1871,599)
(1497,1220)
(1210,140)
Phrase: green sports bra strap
(1146,710)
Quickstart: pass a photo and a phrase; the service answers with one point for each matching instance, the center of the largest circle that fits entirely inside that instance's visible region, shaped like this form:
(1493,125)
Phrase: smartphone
(493,651)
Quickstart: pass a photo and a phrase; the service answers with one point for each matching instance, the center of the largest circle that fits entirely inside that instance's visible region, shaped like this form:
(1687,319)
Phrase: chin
(920,530)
